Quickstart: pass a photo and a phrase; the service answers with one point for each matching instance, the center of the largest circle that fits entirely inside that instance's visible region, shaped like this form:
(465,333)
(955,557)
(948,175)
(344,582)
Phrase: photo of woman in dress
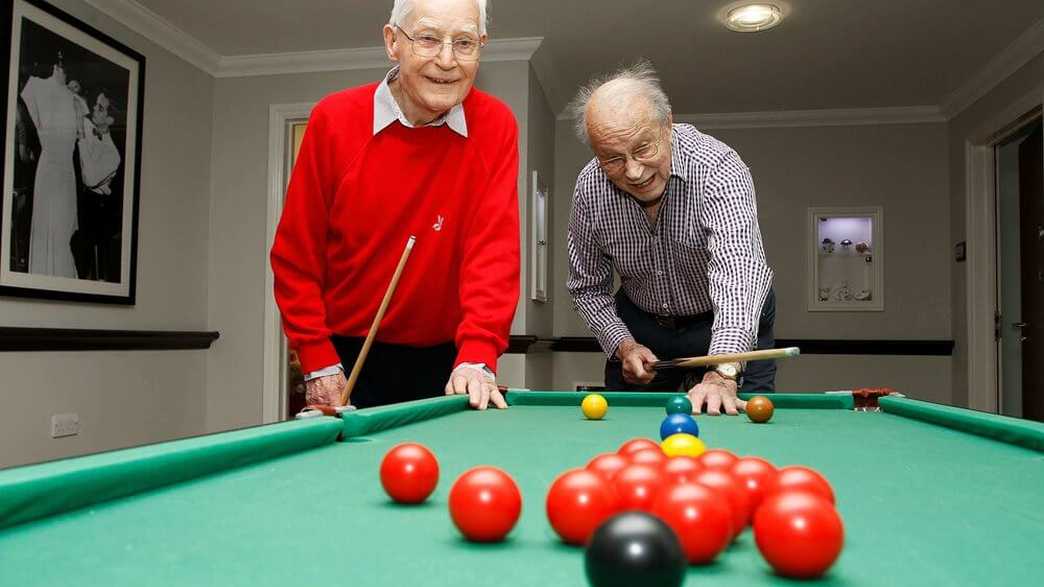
(67,221)
(52,109)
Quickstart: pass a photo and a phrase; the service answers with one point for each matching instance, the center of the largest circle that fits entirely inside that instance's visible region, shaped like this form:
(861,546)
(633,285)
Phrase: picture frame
(71,174)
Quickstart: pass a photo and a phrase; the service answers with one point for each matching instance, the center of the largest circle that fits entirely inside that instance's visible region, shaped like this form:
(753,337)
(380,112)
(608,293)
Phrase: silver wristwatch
(728,370)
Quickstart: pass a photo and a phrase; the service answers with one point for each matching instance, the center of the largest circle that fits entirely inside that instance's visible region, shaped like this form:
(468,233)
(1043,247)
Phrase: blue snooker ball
(678,424)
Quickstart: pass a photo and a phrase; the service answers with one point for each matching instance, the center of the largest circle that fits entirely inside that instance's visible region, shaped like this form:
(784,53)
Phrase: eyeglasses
(644,153)
(428,45)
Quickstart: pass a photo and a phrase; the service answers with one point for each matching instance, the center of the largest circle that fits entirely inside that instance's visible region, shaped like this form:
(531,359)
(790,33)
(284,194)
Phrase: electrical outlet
(65,425)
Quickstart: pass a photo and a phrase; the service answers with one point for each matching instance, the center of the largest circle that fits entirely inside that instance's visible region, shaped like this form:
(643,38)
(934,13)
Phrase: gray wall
(239,223)
(902,168)
(962,129)
(128,398)
(540,145)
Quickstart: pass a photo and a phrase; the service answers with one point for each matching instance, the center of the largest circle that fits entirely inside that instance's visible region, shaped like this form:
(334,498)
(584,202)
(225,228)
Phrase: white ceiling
(828,54)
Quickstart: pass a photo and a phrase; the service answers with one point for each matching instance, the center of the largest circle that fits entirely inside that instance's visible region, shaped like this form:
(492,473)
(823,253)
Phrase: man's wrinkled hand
(479,385)
(326,390)
(637,361)
(716,391)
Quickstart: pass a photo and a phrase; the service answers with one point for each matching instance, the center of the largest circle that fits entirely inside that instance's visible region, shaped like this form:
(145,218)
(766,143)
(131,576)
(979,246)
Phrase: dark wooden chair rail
(67,339)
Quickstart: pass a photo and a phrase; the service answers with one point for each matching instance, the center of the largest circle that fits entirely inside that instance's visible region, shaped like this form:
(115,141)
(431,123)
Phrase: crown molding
(301,62)
(1027,46)
(823,117)
(160,31)
(520,49)
(808,118)
(514,49)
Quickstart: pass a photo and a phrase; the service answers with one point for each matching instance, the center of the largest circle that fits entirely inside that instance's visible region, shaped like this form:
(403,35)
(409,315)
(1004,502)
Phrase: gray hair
(639,79)
(402,8)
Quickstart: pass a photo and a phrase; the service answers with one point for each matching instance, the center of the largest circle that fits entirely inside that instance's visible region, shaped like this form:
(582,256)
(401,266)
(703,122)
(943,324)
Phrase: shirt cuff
(730,340)
(612,336)
(331,370)
(490,375)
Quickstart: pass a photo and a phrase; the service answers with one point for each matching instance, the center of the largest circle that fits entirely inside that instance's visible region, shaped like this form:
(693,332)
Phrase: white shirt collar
(386,110)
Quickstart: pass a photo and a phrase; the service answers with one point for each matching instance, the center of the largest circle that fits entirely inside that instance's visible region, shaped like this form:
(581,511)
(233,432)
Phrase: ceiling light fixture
(753,17)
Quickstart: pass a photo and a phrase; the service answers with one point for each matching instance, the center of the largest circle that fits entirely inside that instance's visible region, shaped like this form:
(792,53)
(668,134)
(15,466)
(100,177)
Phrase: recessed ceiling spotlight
(753,17)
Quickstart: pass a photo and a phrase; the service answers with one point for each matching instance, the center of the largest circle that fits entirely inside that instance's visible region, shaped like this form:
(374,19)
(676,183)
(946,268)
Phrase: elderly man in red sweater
(421,153)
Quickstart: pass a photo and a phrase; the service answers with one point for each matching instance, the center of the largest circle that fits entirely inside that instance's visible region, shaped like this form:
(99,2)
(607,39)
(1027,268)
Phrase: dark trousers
(687,337)
(395,373)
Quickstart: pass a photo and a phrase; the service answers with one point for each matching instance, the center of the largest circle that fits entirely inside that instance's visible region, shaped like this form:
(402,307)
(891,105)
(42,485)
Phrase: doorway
(283,382)
(1019,160)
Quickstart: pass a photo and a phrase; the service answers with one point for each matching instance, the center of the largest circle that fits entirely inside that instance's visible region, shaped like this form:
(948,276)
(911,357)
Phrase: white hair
(402,8)
(639,79)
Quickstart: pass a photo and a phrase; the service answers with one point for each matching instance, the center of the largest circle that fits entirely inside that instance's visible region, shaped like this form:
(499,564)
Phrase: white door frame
(981,247)
(273,400)
(981,275)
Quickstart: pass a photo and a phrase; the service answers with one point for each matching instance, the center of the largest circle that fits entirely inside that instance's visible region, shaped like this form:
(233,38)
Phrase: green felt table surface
(923,504)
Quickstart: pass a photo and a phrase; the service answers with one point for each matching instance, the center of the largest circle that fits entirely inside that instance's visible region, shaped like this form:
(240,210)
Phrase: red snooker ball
(756,475)
(718,459)
(803,479)
(409,473)
(649,456)
(577,503)
(484,504)
(637,444)
(800,534)
(637,486)
(724,483)
(608,464)
(681,468)
(699,517)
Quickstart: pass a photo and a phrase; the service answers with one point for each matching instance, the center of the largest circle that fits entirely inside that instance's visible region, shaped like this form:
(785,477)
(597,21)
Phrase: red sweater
(355,198)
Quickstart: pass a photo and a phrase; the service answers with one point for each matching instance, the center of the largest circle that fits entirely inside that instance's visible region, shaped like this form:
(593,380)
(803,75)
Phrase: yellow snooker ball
(679,445)
(594,406)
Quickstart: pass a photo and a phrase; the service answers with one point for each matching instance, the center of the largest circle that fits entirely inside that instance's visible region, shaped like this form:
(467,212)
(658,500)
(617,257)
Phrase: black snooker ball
(634,548)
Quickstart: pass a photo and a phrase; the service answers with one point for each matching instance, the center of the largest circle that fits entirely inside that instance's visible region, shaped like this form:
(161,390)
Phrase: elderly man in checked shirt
(672,211)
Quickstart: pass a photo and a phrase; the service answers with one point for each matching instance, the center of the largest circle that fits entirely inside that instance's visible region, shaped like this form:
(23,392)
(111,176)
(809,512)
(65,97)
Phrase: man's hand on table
(637,362)
(326,390)
(716,391)
(478,384)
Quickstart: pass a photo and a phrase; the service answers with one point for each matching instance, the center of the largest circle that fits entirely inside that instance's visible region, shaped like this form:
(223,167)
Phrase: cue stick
(347,391)
(687,362)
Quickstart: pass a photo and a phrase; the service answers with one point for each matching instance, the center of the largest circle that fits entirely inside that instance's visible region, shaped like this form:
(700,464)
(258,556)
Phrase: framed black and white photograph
(72,159)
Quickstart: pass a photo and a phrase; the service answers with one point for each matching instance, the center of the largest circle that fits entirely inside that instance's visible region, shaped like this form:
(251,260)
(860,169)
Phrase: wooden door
(1031,205)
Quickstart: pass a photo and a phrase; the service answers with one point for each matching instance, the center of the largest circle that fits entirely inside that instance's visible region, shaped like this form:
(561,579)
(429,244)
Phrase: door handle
(1019,325)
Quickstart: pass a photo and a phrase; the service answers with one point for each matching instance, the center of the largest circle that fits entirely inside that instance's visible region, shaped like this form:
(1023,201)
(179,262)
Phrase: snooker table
(929,494)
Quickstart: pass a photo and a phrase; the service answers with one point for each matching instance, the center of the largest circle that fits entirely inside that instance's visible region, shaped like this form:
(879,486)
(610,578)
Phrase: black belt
(680,322)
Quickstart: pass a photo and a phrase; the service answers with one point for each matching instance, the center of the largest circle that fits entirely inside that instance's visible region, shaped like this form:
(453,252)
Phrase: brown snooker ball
(759,409)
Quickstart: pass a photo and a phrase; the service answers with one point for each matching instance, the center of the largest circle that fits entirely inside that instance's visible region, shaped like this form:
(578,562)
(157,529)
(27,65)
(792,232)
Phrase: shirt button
(665,306)
(660,273)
